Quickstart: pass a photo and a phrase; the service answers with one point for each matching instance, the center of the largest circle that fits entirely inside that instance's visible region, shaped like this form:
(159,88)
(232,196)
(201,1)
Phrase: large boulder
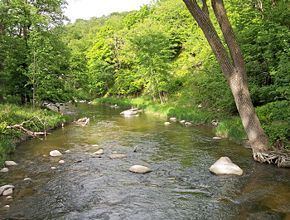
(139,169)
(224,166)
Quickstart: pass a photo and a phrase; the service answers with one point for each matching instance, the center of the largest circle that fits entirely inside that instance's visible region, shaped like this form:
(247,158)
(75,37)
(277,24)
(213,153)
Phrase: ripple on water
(180,186)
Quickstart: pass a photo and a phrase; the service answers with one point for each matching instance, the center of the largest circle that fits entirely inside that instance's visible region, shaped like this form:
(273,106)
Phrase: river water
(180,186)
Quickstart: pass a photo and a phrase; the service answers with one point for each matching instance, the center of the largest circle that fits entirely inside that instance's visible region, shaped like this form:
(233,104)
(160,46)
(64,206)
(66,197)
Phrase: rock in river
(10,163)
(224,166)
(55,153)
(61,162)
(5,187)
(4,170)
(117,156)
(99,152)
(139,169)
(8,192)
(167,123)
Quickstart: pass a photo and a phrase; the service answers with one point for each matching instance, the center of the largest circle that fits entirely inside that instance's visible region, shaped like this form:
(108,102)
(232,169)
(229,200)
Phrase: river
(179,187)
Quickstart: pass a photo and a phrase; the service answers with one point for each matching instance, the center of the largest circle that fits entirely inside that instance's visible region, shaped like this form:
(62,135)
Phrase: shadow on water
(180,186)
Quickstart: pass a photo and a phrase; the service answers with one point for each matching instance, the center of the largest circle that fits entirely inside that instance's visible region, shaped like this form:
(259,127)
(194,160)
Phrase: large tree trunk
(233,67)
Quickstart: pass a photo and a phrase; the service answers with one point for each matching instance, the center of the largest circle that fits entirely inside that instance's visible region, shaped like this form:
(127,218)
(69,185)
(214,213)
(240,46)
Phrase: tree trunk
(232,66)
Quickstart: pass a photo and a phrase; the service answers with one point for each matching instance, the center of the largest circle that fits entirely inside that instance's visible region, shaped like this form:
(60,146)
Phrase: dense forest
(157,53)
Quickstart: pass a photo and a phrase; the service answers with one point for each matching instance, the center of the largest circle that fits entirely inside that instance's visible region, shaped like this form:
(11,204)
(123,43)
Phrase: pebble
(99,152)
(117,156)
(27,179)
(139,169)
(67,151)
(167,123)
(9,197)
(7,206)
(10,163)
(95,145)
(53,168)
(55,153)
(4,170)
(61,162)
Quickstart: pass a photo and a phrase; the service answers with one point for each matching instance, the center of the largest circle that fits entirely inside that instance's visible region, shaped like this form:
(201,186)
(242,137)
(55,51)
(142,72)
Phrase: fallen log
(28,132)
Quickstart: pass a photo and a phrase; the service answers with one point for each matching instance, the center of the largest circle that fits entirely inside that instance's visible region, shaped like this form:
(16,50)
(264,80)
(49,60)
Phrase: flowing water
(180,186)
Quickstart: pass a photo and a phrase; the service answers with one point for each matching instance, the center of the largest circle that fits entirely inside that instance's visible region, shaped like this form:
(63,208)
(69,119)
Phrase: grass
(37,120)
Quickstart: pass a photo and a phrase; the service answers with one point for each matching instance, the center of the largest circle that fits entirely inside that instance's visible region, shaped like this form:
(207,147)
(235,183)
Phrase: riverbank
(36,120)
(275,117)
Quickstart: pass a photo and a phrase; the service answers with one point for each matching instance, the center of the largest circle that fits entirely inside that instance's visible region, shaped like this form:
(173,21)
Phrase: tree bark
(233,68)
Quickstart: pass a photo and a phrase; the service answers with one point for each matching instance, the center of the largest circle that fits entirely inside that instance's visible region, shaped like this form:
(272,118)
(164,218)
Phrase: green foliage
(35,120)
(231,128)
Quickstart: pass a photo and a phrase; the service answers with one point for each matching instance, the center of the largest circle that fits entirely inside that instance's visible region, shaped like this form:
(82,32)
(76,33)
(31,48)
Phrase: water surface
(180,186)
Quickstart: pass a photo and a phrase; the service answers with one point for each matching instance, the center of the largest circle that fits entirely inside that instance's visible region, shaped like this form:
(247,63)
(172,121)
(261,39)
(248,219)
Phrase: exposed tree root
(272,157)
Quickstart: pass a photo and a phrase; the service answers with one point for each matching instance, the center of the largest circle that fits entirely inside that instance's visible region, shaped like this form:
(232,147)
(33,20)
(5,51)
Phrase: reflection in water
(180,186)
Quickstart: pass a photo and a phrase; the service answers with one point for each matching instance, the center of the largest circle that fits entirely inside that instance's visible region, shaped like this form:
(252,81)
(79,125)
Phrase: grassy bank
(36,120)
(275,119)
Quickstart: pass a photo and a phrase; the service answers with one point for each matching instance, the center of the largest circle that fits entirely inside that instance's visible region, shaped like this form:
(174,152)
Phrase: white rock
(117,156)
(216,138)
(167,123)
(61,162)
(53,168)
(130,112)
(9,197)
(5,187)
(7,206)
(10,163)
(139,169)
(95,145)
(99,152)
(55,153)
(182,121)
(67,151)
(173,119)
(187,123)
(224,166)
(8,192)
(4,170)
(27,179)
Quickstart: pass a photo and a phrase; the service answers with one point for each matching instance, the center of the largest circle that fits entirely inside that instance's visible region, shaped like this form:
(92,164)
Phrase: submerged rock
(99,152)
(167,123)
(10,163)
(61,162)
(83,121)
(4,170)
(117,156)
(55,153)
(139,169)
(224,166)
